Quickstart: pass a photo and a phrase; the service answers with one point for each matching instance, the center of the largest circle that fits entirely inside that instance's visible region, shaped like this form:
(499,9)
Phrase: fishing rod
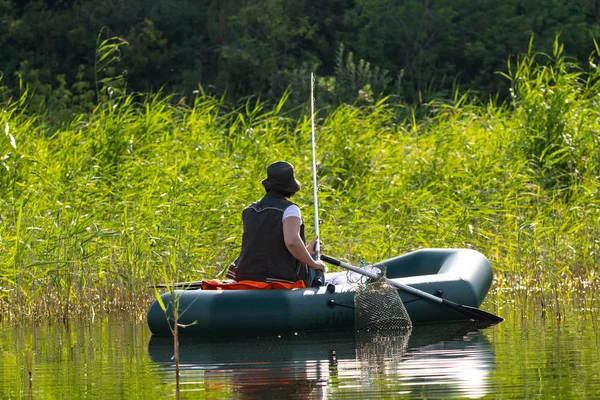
(319,280)
(314,162)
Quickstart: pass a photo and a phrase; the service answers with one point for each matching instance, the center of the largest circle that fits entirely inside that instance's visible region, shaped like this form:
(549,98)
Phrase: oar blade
(473,313)
(484,315)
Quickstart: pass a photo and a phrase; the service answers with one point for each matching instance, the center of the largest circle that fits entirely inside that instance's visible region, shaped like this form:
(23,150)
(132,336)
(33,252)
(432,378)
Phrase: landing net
(378,306)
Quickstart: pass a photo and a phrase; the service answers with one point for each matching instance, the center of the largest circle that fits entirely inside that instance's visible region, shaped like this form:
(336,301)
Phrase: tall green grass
(96,210)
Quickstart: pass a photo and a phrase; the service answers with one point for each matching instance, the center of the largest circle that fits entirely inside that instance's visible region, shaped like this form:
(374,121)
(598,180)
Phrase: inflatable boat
(460,276)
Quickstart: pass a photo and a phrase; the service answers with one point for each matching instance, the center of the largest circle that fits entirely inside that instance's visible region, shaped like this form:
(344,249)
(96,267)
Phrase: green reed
(97,209)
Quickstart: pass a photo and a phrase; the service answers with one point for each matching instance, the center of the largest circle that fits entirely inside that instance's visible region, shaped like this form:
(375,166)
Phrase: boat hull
(460,275)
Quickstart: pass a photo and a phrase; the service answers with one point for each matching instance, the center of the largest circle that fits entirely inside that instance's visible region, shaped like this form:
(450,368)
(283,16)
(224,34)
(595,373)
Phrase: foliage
(107,54)
(559,103)
(239,49)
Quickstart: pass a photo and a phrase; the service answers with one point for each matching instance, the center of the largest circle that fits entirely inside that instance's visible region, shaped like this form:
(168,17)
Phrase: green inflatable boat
(460,276)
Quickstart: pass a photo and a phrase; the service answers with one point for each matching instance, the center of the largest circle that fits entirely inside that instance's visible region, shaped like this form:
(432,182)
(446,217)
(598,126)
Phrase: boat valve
(438,293)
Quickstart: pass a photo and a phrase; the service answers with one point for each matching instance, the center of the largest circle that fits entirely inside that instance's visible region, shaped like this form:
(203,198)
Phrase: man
(273,242)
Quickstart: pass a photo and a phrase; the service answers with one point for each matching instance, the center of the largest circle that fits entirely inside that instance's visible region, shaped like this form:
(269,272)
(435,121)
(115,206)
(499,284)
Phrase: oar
(179,285)
(471,312)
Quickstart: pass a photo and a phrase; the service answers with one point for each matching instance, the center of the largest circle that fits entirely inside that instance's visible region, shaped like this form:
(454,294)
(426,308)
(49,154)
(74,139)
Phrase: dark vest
(264,256)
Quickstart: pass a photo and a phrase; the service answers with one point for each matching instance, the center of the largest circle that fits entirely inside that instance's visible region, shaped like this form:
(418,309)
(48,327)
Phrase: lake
(537,352)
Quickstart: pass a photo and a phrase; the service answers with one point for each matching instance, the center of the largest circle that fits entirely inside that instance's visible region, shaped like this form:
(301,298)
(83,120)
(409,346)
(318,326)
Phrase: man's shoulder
(275,202)
(292,211)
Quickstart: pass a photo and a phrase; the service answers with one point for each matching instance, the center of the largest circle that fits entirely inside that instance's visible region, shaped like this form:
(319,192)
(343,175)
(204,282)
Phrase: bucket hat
(280,178)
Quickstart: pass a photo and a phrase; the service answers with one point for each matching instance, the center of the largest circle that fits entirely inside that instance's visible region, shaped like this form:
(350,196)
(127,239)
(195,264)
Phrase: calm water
(527,356)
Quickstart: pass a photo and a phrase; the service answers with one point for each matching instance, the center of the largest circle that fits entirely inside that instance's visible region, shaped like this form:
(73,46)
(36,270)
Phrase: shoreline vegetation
(419,51)
(145,190)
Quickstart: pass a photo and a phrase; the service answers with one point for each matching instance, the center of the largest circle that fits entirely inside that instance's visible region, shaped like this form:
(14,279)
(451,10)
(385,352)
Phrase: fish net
(378,306)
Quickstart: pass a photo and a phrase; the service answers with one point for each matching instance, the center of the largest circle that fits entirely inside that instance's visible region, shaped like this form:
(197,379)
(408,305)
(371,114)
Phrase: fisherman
(273,243)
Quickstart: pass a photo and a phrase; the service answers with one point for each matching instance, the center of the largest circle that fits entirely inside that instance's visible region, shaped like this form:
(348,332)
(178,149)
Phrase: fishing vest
(264,256)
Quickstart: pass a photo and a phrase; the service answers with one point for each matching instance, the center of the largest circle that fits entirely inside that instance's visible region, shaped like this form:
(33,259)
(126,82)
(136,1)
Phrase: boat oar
(179,285)
(471,312)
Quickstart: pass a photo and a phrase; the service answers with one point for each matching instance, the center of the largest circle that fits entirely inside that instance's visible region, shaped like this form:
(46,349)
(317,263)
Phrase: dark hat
(280,178)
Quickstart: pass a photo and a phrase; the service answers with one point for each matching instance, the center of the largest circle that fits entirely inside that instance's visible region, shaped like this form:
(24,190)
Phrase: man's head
(280,179)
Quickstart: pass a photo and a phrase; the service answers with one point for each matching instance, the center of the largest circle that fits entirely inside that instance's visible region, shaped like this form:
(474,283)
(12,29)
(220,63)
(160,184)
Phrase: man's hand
(318,265)
(312,244)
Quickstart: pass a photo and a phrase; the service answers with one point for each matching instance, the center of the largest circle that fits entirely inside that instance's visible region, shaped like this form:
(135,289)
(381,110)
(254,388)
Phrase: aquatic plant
(92,209)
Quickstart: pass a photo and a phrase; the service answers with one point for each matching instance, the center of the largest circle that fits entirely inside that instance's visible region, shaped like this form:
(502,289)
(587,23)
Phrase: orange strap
(214,284)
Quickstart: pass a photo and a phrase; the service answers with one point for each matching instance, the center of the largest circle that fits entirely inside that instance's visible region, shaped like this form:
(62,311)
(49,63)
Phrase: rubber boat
(462,276)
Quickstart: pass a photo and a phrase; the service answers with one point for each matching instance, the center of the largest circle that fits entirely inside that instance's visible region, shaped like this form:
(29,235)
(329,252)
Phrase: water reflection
(527,356)
(445,360)
(460,366)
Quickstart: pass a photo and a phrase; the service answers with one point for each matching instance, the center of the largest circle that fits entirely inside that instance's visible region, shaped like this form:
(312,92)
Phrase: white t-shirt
(291,211)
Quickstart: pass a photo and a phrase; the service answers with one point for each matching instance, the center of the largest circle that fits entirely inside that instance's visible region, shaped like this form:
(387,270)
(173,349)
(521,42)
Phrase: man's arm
(295,245)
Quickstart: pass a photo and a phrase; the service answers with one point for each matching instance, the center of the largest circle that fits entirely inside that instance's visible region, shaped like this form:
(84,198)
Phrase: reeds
(93,211)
